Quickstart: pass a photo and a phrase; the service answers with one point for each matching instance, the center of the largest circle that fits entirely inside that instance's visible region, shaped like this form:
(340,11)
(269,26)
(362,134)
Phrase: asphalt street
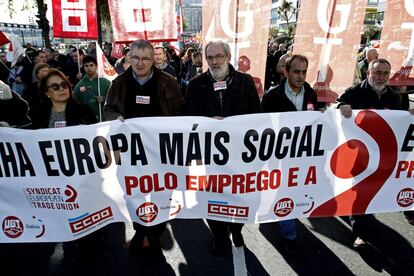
(325,248)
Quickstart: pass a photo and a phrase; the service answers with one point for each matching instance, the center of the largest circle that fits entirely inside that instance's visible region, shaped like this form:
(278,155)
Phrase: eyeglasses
(56,86)
(142,59)
(219,58)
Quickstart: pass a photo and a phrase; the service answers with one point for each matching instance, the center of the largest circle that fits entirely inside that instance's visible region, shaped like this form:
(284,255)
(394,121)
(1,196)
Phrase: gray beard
(221,75)
(378,90)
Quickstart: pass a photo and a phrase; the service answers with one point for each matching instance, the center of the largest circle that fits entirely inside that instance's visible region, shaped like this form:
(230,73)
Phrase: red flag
(3,39)
(75,19)
(15,50)
(117,50)
(105,69)
(145,19)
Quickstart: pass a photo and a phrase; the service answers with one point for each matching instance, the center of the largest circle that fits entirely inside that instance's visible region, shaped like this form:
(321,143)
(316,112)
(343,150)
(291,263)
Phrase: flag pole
(99,95)
(99,103)
(99,87)
(7,68)
(77,50)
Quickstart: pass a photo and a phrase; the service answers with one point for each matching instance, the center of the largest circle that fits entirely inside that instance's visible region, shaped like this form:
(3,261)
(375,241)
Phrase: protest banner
(397,41)
(328,33)
(74,19)
(62,184)
(145,19)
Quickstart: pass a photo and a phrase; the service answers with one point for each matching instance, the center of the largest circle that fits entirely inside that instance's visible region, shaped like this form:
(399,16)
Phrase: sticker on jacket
(59,124)
(221,85)
(143,100)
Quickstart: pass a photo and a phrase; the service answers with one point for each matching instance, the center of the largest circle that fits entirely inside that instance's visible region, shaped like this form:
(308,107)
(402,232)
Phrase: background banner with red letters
(245,26)
(64,183)
(328,33)
(152,20)
(397,41)
(75,19)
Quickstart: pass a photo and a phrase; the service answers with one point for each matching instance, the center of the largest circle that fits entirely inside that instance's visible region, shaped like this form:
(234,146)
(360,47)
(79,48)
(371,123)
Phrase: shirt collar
(162,66)
(290,91)
(142,82)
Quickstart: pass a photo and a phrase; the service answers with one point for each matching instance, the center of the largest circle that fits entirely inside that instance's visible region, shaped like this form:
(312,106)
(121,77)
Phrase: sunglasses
(56,86)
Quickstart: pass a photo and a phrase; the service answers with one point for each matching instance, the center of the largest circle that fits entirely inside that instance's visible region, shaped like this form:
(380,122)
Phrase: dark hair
(197,54)
(378,60)
(126,50)
(292,58)
(39,67)
(88,59)
(189,52)
(143,44)
(36,53)
(52,72)
(80,51)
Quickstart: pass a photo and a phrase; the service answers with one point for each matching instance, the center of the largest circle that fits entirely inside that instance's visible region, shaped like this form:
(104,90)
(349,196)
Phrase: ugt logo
(283,207)
(405,197)
(147,212)
(13,227)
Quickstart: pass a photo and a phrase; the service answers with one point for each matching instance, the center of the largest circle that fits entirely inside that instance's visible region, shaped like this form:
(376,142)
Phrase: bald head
(371,54)
(281,64)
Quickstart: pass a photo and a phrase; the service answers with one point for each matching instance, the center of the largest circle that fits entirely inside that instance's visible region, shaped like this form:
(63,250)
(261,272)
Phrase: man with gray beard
(220,92)
(372,93)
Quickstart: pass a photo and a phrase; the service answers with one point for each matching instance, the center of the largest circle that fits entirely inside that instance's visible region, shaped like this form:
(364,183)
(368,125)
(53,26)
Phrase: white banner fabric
(62,184)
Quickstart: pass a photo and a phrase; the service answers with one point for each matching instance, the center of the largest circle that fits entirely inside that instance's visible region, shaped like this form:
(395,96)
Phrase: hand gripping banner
(75,19)
(62,184)
(152,20)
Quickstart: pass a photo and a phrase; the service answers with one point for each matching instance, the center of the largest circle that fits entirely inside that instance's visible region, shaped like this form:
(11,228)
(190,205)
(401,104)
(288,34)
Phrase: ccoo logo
(147,212)
(12,227)
(405,197)
(283,207)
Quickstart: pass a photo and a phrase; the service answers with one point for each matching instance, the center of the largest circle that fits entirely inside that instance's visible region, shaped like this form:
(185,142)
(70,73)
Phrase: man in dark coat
(220,92)
(372,93)
(292,94)
(143,91)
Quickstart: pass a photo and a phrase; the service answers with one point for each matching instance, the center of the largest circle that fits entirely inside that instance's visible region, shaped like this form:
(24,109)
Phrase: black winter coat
(361,96)
(275,100)
(14,111)
(239,98)
(75,113)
